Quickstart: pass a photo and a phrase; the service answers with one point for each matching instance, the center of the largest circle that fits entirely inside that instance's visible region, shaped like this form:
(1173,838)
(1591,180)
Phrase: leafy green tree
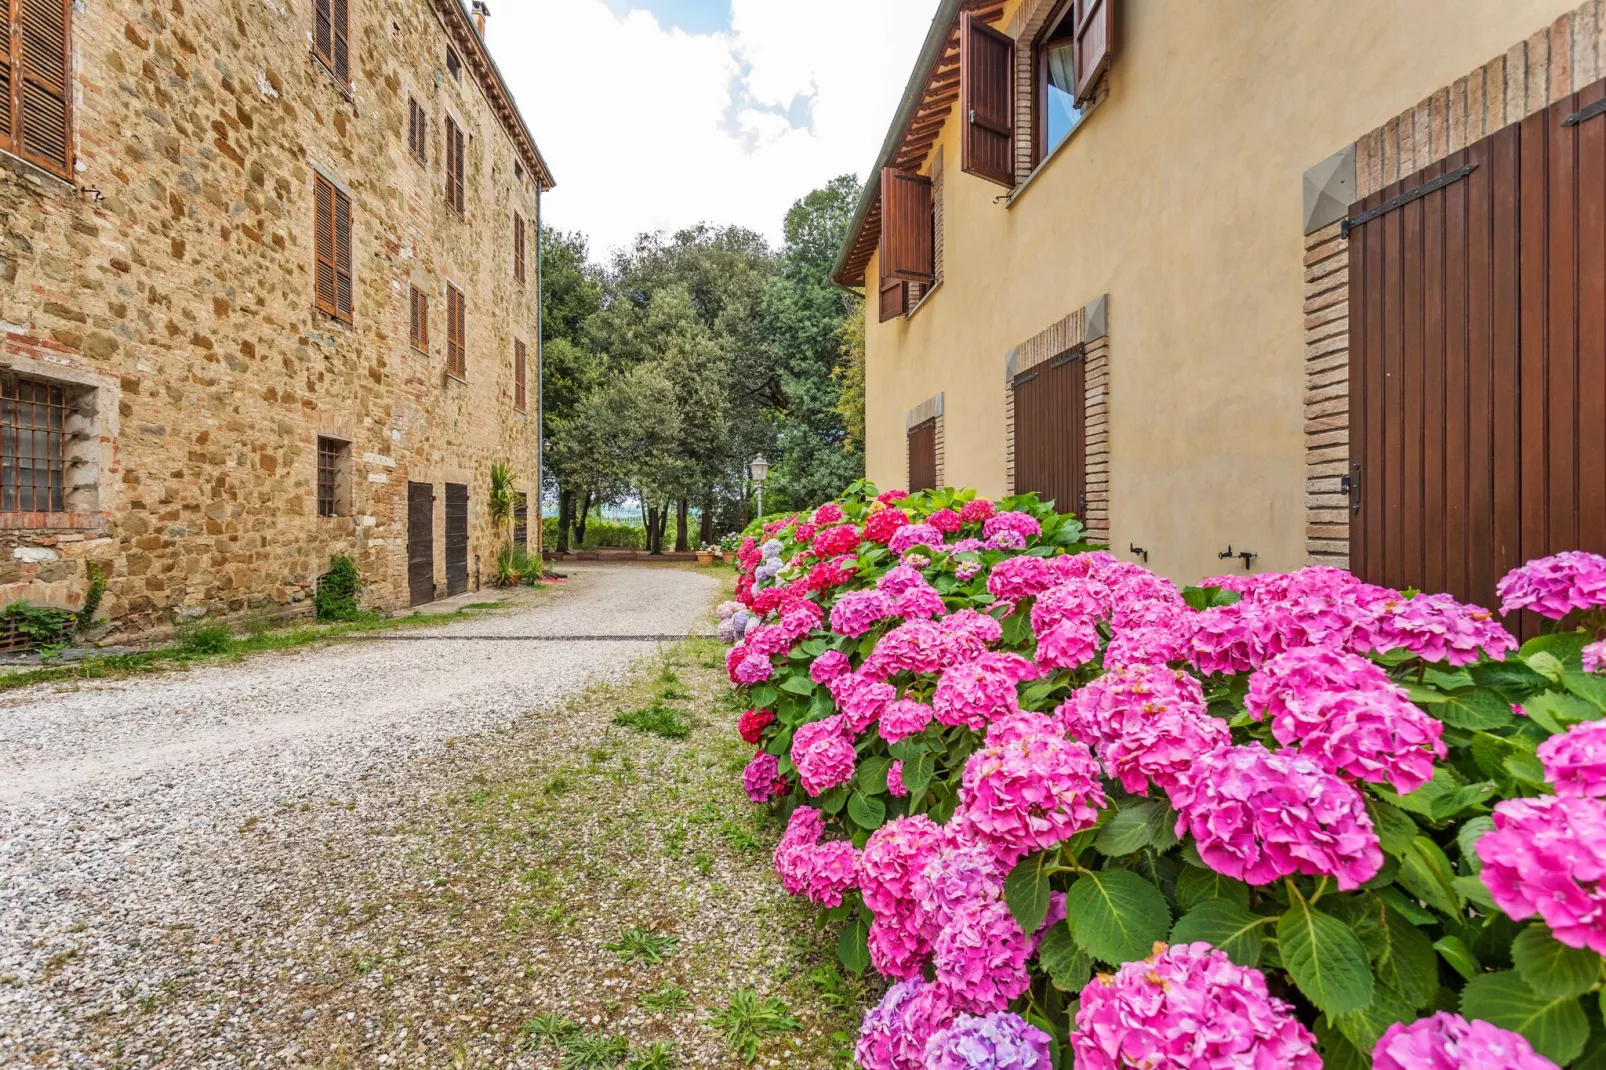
(571,295)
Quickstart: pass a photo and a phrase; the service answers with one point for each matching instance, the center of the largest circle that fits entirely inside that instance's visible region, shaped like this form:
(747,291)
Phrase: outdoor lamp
(759,469)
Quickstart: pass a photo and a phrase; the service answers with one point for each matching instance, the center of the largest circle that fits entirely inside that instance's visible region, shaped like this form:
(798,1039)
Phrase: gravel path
(146,825)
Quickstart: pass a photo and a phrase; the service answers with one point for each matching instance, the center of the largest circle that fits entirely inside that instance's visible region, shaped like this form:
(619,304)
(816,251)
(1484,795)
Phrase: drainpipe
(540,383)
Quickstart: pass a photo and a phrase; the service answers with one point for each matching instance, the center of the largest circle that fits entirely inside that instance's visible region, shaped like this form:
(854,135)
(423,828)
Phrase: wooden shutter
(986,101)
(923,457)
(343,290)
(417,131)
(323,31)
(1051,431)
(1095,44)
(908,247)
(324,244)
(342,52)
(456,331)
(40,128)
(518,247)
(894,299)
(454,166)
(418,333)
(520,371)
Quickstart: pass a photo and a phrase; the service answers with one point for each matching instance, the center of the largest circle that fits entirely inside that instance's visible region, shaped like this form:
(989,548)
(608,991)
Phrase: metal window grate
(33,446)
(328,464)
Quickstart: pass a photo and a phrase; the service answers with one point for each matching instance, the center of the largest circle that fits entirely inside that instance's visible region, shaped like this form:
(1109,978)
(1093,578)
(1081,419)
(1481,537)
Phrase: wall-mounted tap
(1139,551)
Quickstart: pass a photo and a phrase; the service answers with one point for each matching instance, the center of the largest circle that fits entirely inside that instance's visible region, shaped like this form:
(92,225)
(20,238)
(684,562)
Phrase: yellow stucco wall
(1180,197)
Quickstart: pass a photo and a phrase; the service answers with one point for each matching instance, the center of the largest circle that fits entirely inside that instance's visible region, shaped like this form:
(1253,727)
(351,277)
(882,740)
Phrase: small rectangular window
(520,374)
(334,477)
(518,248)
(1057,112)
(332,259)
(417,131)
(33,446)
(456,333)
(454,166)
(454,66)
(331,25)
(418,328)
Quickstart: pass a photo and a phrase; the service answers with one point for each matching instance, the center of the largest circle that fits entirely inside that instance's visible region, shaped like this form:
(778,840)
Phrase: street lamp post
(759,469)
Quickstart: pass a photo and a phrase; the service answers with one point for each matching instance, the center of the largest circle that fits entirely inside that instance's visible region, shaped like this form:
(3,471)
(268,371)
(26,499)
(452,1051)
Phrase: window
(520,372)
(454,66)
(518,247)
(334,477)
(330,30)
(1070,56)
(333,255)
(36,114)
(1050,413)
(908,238)
(454,165)
(418,328)
(521,521)
(456,334)
(417,131)
(518,171)
(33,446)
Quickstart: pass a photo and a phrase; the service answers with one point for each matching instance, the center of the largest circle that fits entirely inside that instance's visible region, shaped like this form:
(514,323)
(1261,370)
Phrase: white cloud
(648,128)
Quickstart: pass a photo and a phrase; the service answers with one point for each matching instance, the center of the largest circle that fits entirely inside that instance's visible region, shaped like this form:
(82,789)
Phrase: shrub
(336,597)
(1065,804)
(40,625)
(204,640)
(601,535)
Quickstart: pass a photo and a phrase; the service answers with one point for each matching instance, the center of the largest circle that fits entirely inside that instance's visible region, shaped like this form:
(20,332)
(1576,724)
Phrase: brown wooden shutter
(41,131)
(324,244)
(454,166)
(343,289)
(1095,44)
(907,244)
(923,457)
(342,52)
(520,358)
(894,299)
(1051,431)
(7,59)
(456,332)
(417,131)
(518,247)
(323,31)
(986,101)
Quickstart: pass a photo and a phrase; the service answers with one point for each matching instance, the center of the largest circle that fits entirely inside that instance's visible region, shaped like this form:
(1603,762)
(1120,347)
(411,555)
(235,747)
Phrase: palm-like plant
(504,499)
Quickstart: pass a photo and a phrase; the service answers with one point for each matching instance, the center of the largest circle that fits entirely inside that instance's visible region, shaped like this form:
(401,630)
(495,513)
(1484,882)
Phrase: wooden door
(456,538)
(923,457)
(420,543)
(1478,358)
(1051,431)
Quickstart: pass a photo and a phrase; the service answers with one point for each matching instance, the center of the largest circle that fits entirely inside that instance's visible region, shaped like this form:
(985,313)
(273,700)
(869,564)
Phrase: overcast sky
(656,114)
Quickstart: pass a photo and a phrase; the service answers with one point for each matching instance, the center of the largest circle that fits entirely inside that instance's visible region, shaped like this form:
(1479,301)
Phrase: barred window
(33,446)
(334,477)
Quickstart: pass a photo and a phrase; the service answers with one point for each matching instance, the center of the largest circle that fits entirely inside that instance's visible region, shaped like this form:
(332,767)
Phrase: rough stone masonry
(164,281)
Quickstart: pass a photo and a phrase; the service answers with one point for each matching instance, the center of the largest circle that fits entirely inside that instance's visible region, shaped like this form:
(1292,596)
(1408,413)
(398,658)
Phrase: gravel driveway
(132,813)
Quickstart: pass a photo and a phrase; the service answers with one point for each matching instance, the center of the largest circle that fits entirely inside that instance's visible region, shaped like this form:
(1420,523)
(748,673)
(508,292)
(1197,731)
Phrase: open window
(1069,58)
(908,238)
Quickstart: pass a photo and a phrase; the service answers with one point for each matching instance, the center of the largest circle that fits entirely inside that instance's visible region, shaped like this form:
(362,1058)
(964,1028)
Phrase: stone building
(270,293)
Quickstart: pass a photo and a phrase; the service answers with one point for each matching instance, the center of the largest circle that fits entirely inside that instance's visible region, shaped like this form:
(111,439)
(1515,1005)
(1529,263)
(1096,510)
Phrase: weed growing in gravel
(838,991)
(205,640)
(558,785)
(590,1052)
(740,836)
(750,1018)
(670,999)
(643,947)
(703,863)
(550,1028)
(659,1056)
(675,839)
(656,720)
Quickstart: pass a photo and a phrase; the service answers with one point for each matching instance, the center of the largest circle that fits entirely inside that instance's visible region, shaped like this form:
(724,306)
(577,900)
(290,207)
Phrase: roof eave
(457,18)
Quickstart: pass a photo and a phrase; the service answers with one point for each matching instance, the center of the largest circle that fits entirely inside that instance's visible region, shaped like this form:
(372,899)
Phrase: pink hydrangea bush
(977,718)
(1447,1041)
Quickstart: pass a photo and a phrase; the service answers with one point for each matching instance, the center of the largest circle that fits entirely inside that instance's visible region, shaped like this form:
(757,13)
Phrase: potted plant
(728,547)
(705,554)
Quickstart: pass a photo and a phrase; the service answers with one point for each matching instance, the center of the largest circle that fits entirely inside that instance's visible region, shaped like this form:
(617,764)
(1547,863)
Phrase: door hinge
(1597,108)
(1407,197)
(1351,485)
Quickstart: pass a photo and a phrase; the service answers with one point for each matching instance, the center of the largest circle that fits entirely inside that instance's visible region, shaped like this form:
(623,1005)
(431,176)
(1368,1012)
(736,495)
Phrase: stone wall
(172,287)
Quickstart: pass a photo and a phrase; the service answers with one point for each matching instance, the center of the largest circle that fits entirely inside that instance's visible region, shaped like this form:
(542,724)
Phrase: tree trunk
(565,516)
(580,520)
(651,522)
(708,520)
(681,508)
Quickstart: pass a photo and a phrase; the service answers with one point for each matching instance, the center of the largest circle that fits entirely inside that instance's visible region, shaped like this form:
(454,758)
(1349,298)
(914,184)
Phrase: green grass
(659,1056)
(643,947)
(656,720)
(593,1051)
(550,1029)
(749,1019)
(669,999)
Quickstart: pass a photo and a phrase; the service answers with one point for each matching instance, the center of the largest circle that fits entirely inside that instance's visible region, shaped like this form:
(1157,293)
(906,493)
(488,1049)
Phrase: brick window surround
(930,409)
(1087,327)
(1555,62)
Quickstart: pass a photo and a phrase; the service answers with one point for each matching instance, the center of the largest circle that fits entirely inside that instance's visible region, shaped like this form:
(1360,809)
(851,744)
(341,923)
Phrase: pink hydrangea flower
(1290,679)
(904,718)
(888,496)
(968,546)
(856,612)
(946,521)
(961,872)
(881,526)
(898,947)
(977,511)
(917,646)
(752,668)
(1078,600)
(998,1041)
(1595,657)
(895,784)
(1186,1008)
(1548,856)
(1435,627)
(861,699)
(842,539)
(822,872)
(1020,725)
(970,633)
(1258,816)
(1448,1041)
(1020,577)
(1146,723)
(767,640)
(979,691)
(980,957)
(762,778)
(1377,736)
(912,535)
(1149,645)
(1006,540)
(1225,640)
(823,754)
(894,855)
(1022,524)
(966,571)
(920,602)
(828,666)
(900,578)
(1029,794)
(1555,586)
(1069,644)
(829,513)
(894,1035)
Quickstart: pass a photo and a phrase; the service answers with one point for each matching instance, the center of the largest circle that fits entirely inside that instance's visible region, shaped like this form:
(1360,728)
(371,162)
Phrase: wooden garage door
(456,538)
(1478,358)
(1051,431)
(420,543)
(923,457)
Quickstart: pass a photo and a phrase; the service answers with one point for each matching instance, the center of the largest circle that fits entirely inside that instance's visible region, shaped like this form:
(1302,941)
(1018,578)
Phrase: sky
(658,114)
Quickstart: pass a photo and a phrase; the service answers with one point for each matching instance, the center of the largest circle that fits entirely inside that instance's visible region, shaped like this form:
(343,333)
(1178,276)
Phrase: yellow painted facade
(1180,198)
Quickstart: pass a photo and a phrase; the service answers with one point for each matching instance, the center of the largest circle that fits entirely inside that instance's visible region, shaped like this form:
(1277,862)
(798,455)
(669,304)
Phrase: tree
(571,295)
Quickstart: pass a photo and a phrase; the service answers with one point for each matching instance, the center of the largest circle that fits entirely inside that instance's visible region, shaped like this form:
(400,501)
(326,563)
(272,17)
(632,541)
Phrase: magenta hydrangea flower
(970,634)
(1079,600)
(1020,577)
(904,718)
(920,602)
(1258,816)
(861,699)
(1555,586)
(1029,794)
(1146,723)
(842,539)
(1069,644)
(961,872)
(1006,540)
(980,691)
(1548,856)
(1019,726)
(895,1033)
(894,855)
(828,666)
(998,1041)
(899,579)
(967,546)
(856,612)
(980,957)
(1021,524)
(768,640)
(823,754)
(976,511)
(966,571)
(822,872)
(1148,645)
(1377,736)
(911,535)
(829,513)
(946,521)
(1448,1041)
(899,947)
(1290,679)
(1225,640)
(1435,627)
(760,776)
(1186,1008)
(1595,657)
(752,668)
(895,785)
(917,646)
